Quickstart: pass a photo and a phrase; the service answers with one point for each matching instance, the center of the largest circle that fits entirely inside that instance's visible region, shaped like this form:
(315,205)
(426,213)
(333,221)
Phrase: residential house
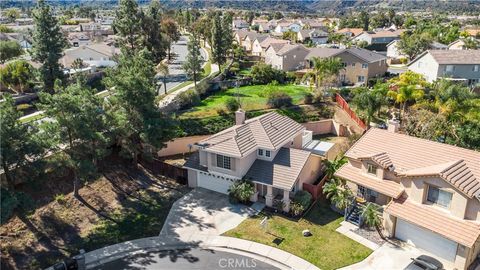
(94,55)
(77,39)
(429,191)
(314,24)
(266,27)
(286,57)
(20,38)
(267,150)
(459,44)
(261,44)
(360,65)
(457,65)
(287,26)
(317,36)
(378,40)
(394,53)
(350,32)
(239,24)
(250,38)
(239,35)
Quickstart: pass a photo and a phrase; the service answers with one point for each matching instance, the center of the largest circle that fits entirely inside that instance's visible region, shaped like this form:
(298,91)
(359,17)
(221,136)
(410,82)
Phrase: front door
(261,189)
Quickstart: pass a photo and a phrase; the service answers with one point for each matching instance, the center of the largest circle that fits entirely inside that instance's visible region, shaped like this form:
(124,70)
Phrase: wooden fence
(315,190)
(344,105)
(155,166)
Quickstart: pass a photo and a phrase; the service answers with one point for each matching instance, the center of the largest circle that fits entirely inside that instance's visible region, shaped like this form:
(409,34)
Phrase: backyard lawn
(326,249)
(252,97)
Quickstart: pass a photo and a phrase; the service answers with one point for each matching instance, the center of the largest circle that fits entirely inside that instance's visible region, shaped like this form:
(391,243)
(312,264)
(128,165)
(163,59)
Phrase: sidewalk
(264,253)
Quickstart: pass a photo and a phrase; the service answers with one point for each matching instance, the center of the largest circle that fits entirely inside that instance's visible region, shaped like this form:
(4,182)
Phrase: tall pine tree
(153,39)
(218,42)
(128,26)
(193,62)
(48,44)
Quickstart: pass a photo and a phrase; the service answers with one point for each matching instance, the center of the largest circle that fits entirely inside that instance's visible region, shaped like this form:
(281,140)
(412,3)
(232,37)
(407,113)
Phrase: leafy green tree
(227,34)
(9,49)
(414,44)
(371,217)
(470,44)
(79,128)
(19,145)
(338,194)
(408,87)
(128,26)
(466,135)
(364,18)
(193,62)
(331,167)
(12,14)
(322,69)
(337,38)
(137,123)
(153,39)
(203,28)
(48,44)
(170,28)
(370,101)
(5,29)
(241,190)
(379,20)
(17,75)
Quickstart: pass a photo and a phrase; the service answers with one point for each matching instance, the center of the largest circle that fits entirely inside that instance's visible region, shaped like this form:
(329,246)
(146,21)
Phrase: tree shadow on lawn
(321,214)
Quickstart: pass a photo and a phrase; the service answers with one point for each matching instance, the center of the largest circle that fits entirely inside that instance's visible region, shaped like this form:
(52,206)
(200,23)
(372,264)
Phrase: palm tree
(322,68)
(334,165)
(470,44)
(371,217)
(408,87)
(339,194)
(370,101)
(162,69)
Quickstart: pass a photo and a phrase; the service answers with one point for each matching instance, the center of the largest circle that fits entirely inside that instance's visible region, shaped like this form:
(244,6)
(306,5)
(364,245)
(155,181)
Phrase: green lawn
(326,249)
(252,97)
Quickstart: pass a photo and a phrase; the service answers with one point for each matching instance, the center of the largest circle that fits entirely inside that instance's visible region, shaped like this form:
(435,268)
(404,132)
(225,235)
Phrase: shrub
(241,191)
(279,99)
(188,99)
(60,198)
(296,208)
(303,198)
(12,201)
(264,74)
(308,99)
(232,104)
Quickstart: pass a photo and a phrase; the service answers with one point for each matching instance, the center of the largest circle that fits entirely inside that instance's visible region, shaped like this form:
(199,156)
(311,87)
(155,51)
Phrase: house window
(343,77)
(260,152)
(223,162)
(353,64)
(449,68)
(267,153)
(476,68)
(361,78)
(364,65)
(371,169)
(438,196)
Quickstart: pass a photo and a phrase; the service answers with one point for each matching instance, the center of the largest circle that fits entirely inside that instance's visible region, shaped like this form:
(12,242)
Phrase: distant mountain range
(302,6)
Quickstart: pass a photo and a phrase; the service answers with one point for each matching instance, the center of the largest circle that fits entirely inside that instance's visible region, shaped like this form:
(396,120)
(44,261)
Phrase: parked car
(424,262)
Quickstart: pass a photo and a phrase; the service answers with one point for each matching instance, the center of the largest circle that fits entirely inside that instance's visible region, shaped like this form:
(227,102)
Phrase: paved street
(177,74)
(186,259)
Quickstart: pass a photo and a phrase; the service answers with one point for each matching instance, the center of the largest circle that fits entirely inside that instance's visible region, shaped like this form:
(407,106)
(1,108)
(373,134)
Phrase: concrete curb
(264,253)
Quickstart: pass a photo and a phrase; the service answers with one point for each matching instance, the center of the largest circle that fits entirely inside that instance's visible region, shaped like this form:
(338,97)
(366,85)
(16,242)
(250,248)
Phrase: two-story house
(430,192)
(350,32)
(359,65)
(317,36)
(378,40)
(266,150)
(261,44)
(457,65)
(239,24)
(285,57)
(250,38)
(283,27)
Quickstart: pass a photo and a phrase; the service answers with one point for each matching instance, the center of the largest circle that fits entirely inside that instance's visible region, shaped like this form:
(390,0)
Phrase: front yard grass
(326,249)
(252,97)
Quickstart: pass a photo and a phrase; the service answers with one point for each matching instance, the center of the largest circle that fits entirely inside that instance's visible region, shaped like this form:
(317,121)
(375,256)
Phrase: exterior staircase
(354,215)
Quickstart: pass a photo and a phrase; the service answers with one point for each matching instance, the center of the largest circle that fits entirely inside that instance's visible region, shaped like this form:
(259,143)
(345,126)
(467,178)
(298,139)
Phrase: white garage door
(426,240)
(214,183)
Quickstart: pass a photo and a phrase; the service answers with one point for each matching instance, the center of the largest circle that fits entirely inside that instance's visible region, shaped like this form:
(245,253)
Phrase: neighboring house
(267,150)
(266,27)
(239,35)
(287,26)
(394,53)
(315,35)
(459,44)
(98,55)
(429,191)
(360,65)
(105,20)
(17,37)
(240,24)
(458,65)
(320,24)
(286,57)
(378,40)
(261,44)
(250,38)
(350,32)
(78,39)
(24,21)
(90,26)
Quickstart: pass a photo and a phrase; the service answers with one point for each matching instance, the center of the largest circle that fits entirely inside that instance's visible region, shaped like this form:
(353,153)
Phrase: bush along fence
(344,105)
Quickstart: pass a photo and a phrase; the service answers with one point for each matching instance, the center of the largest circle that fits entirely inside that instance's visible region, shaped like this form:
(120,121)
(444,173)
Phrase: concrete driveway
(393,257)
(204,212)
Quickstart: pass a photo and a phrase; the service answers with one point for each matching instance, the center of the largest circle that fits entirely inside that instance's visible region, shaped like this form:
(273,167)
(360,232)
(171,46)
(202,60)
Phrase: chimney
(393,125)
(239,117)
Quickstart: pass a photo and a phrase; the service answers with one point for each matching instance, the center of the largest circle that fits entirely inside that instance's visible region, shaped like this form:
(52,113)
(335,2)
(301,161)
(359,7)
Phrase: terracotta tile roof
(268,41)
(282,172)
(354,31)
(411,156)
(270,131)
(289,47)
(461,231)
(387,187)
(384,33)
(381,159)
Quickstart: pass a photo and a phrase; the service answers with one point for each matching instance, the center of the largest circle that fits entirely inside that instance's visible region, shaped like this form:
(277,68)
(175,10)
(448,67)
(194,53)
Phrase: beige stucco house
(429,191)
(268,150)
(261,43)
(285,57)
